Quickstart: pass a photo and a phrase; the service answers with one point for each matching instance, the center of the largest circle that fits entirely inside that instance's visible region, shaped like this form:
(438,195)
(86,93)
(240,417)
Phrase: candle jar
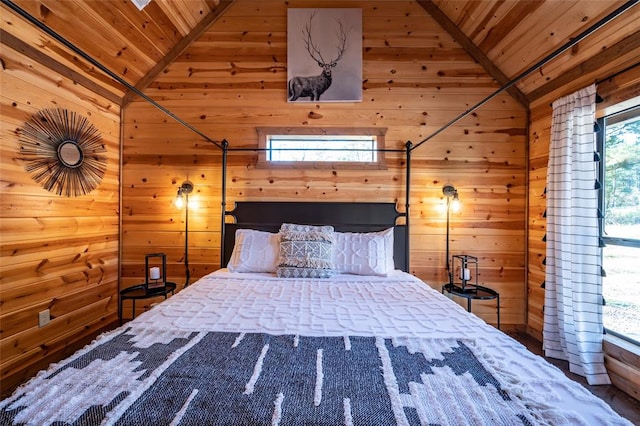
(154,273)
(465,274)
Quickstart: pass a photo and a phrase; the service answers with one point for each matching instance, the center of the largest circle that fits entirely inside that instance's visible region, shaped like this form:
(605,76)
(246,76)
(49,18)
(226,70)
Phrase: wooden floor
(621,403)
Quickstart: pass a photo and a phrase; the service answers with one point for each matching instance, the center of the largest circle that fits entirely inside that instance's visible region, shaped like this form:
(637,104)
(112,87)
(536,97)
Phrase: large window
(619,146)
(312,147)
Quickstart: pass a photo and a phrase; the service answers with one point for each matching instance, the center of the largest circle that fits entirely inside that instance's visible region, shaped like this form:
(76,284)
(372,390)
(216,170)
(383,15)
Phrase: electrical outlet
(44,317)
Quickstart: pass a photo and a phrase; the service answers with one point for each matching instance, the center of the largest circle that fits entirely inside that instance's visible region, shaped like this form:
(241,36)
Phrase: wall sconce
(182,200)
(183,194)
(453,203)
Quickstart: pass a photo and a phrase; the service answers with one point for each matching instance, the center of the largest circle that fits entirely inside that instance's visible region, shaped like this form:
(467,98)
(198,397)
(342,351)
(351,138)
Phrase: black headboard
(343,216)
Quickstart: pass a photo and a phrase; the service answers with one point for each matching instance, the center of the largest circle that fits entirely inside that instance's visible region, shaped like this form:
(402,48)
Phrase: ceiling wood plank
(607,56)
(471,9)
(180,47)
(521,10)
(156,23)
(18,45)
(472,49)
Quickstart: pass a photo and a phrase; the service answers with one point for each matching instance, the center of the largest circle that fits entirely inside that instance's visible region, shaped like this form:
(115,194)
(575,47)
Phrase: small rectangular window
(361,149)
(347,148)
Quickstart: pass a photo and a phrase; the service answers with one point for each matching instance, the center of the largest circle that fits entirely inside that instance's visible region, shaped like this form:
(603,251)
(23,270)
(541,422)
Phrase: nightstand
(142,291)
(474,292)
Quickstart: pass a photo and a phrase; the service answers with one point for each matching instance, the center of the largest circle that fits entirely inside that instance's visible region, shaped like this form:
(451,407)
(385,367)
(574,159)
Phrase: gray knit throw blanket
(208,378)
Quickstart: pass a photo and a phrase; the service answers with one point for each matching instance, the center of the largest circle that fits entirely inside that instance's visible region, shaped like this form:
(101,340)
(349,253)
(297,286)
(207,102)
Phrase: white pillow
(254,251)
(369,253)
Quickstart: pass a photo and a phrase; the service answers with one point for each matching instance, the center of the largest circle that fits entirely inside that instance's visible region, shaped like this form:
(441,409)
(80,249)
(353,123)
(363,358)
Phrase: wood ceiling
(505,37)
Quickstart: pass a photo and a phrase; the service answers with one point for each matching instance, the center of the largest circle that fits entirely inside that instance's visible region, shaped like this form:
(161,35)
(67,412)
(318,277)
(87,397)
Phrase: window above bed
(317,148)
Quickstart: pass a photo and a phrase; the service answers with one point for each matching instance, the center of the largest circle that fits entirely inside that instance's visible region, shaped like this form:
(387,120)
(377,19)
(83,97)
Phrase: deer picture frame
(324,55)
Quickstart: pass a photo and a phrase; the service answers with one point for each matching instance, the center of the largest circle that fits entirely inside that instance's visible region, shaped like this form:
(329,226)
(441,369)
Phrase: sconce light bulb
(179,201)
(456,205)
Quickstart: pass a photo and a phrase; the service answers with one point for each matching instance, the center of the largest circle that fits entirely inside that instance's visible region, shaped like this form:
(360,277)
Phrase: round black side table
(474,293)
(142,291)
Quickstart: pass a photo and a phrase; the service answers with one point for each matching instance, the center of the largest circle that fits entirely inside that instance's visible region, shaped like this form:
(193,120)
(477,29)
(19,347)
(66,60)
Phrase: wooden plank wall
(618,92)
(57,253)
(416,79)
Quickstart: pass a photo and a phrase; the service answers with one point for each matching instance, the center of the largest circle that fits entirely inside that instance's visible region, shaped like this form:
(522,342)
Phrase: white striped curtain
(573,327)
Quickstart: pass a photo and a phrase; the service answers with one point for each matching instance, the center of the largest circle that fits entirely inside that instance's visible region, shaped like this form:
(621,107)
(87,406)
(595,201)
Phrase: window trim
(265,132)
(612,336)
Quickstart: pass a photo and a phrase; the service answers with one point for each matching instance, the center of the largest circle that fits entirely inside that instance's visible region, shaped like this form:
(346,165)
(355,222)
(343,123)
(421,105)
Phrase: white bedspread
(232,348)
(395,306)
(352,304)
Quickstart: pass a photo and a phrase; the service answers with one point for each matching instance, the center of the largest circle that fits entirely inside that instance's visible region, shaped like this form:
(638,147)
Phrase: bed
(367,344)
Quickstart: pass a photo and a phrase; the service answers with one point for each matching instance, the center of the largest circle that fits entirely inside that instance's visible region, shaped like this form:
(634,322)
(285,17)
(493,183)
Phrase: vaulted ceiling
(508,38)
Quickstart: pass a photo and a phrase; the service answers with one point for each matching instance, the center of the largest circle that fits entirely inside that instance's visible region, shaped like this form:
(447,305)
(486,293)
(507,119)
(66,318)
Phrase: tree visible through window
(619,146)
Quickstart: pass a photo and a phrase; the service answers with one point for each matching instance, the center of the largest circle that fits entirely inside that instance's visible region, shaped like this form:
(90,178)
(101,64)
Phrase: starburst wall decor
(63,152)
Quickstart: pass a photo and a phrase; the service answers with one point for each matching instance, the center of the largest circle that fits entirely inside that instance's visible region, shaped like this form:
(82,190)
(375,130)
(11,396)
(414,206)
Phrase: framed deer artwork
(324,55)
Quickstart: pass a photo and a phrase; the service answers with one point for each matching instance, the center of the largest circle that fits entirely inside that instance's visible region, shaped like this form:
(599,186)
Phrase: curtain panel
(573,327)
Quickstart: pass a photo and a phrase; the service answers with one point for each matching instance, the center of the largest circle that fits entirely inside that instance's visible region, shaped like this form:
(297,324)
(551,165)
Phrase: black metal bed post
(408,146)
(449,272)
(225,150)
(187,272)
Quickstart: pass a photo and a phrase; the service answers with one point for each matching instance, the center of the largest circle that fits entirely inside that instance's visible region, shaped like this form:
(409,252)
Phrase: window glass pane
(622,176)
(346,148)
(326,148)
(621,290)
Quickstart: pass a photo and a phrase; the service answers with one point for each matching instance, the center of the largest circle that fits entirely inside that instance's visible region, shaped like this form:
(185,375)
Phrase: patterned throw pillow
(305,251)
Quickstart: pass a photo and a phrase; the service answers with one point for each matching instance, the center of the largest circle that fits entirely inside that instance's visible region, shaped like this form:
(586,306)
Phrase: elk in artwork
(314,86)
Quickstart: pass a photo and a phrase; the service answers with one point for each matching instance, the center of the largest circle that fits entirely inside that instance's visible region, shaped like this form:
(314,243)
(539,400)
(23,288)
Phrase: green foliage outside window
(621,208)
(622,175)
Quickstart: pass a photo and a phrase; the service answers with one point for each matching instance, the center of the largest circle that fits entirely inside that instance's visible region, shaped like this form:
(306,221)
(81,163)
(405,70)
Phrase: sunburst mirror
(63,152)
